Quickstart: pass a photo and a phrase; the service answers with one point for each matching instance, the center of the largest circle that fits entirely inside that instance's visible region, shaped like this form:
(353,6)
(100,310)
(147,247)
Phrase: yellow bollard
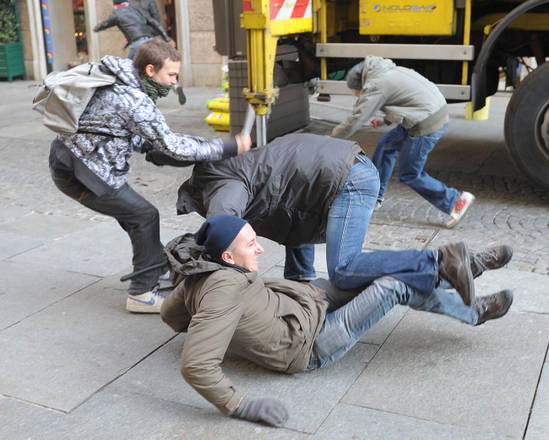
(479,115)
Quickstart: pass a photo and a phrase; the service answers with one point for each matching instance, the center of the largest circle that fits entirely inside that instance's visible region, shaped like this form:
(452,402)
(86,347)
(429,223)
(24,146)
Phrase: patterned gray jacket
(120,119)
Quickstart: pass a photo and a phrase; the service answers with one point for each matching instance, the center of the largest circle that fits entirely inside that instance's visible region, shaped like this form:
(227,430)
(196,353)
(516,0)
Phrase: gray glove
(269,411)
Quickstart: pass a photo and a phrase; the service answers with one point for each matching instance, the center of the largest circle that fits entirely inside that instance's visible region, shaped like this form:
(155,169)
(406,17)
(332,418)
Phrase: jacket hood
(185,257)
(376,66)
(124,70)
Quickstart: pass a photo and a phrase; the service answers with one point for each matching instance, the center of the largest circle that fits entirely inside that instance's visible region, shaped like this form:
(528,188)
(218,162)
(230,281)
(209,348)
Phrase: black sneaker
(493,306)
(489,259)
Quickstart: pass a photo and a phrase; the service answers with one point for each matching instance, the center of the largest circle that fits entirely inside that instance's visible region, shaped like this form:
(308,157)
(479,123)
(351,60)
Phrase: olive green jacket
(271,322)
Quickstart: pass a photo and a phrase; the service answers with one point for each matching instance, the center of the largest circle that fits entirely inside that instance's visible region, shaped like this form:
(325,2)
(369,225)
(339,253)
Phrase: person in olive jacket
(288,326)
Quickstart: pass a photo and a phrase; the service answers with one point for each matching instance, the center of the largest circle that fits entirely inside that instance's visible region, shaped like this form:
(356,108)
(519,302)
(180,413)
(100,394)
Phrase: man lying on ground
(283,325)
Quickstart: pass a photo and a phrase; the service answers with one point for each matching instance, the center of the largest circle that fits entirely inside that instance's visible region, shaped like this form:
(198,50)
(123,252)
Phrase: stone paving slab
(14,244)
(530,290)
(101,249)
(119,413)
(437,369)
(27,289)
(62,355)
(29,130)
(24,421)
(47,227)
(538,427)
(354,422)
(294,391)
(11,213)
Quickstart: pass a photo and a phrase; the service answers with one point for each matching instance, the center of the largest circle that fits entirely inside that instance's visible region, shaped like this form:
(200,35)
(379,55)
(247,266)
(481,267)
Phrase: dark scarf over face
(155,89)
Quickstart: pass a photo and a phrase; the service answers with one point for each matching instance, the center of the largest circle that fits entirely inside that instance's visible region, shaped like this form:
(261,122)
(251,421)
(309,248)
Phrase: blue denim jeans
(299,263)
(346,325)
(135,45)
(348,220)
(414,151)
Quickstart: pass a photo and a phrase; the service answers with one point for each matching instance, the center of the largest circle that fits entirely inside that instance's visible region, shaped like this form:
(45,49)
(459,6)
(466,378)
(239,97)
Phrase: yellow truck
(463,46)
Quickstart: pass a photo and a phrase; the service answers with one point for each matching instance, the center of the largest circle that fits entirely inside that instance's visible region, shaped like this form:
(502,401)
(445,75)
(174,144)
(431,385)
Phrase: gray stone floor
(75,365)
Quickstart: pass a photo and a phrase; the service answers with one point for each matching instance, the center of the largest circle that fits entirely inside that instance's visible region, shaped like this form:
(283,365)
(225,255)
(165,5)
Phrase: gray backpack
(63,96)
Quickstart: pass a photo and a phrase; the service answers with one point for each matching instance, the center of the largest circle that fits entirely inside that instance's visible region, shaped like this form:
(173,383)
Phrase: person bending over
(302,189)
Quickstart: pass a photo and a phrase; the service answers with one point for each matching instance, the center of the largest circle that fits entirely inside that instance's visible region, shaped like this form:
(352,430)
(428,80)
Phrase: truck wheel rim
(542,129)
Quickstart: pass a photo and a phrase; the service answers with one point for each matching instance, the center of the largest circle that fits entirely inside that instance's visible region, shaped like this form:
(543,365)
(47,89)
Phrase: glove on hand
(269,411)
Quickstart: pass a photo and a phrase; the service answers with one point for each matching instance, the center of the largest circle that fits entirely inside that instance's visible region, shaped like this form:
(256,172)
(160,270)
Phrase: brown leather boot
(493,306)
(455,266)
(489,259)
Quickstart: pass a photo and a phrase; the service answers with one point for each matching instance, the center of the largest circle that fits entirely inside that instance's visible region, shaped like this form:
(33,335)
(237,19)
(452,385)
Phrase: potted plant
(12,62)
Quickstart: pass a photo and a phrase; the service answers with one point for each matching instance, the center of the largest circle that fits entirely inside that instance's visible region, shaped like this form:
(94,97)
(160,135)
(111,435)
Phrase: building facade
(57,34)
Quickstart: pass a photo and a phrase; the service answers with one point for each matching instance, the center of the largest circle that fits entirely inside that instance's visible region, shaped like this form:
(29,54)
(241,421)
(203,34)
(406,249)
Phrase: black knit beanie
(217,233)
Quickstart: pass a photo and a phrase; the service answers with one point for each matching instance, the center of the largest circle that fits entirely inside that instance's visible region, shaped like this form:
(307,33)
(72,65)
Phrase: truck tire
(527,125)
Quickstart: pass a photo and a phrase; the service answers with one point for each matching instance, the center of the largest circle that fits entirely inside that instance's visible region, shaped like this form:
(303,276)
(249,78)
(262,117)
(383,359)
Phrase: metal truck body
(463,46)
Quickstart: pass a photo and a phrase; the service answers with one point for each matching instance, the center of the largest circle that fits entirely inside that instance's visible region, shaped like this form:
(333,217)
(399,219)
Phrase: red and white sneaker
(463,203)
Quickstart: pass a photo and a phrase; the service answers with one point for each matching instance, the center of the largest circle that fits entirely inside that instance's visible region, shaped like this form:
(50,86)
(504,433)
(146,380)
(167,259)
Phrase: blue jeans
(413,155)
(348,221)
(346,325)
(299,263)
(135,45)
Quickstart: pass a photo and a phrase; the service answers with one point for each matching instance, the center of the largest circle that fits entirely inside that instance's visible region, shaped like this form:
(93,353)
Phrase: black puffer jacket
(133,23)
(284,190)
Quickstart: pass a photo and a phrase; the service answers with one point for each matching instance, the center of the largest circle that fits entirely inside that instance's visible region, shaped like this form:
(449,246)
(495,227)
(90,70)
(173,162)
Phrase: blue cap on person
(218,232)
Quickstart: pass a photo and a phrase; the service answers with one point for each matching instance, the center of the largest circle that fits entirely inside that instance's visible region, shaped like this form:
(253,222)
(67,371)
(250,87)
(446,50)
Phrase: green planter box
(12,62)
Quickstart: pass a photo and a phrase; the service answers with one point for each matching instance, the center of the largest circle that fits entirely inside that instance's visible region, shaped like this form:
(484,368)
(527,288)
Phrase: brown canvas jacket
(271,322)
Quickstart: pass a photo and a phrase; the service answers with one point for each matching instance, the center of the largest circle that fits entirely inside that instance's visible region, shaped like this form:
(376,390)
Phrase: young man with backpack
(92,165)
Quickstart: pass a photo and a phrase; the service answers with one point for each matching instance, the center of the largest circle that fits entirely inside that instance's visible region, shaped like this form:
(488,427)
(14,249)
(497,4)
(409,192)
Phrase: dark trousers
(135,215)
